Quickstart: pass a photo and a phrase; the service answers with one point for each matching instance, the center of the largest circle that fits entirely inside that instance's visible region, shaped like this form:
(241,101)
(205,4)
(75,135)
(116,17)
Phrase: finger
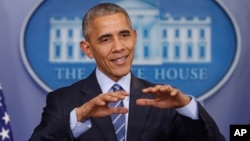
(157,89)
(119,95)
(119,110)
(145,102)
(147,90)
(154,89)
(170,88)
(103,99)
(165,88)
(174,92)
(100,102)
(114,96)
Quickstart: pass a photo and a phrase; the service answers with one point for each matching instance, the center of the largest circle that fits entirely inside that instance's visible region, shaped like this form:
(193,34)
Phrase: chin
(122,72)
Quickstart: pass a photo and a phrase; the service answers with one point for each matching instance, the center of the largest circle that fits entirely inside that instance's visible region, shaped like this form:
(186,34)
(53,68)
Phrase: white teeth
(119,59)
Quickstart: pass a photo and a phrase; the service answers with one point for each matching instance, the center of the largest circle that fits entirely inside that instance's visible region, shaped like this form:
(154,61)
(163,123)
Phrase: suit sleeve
(54,124)
(211,127)
(204,129)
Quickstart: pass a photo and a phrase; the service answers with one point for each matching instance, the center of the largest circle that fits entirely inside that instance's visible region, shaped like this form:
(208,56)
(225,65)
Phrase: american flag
(5,129)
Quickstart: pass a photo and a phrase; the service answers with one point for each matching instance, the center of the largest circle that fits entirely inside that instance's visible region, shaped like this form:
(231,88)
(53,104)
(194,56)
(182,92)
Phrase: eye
(104,39)
(125,34)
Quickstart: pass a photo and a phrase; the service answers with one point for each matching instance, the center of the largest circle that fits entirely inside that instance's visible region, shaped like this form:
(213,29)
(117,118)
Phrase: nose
(118,45)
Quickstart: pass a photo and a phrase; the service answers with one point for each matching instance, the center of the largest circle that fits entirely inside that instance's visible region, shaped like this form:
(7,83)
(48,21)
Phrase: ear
(135,36)
(86,49)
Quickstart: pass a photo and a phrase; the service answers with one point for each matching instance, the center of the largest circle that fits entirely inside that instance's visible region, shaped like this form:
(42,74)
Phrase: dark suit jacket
(145,123)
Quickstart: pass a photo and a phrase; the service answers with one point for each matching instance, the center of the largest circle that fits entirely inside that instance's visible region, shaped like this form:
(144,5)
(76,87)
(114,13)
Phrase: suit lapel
(137,114)
(91,89)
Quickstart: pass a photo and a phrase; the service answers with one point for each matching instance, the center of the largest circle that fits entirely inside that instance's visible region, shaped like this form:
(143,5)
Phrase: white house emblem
(195,48)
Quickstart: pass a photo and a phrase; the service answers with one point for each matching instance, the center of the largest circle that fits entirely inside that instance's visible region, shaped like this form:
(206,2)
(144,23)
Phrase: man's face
(111,43)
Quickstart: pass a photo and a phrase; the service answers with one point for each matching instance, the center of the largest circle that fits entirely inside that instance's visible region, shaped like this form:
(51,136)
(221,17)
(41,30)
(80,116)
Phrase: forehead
(110,22)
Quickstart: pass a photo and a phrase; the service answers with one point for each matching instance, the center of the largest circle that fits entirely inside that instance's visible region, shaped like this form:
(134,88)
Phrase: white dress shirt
(78,128)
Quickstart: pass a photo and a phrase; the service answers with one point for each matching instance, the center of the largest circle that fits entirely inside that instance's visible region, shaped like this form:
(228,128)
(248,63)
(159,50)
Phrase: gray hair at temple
(102,9)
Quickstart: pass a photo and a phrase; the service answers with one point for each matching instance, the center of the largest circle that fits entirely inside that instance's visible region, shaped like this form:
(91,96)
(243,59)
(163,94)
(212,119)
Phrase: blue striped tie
(118,119)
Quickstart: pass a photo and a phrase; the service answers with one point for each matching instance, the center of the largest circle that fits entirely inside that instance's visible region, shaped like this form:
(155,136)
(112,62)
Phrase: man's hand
(99,106)
(165,97)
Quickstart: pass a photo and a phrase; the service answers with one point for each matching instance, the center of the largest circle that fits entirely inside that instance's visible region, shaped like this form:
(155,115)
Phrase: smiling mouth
(120,60)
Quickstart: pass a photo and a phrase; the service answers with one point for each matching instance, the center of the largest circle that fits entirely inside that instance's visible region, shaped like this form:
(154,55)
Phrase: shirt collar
(106,83)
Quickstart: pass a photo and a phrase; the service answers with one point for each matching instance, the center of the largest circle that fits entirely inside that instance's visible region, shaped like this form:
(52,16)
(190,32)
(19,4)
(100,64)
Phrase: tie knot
(116,87)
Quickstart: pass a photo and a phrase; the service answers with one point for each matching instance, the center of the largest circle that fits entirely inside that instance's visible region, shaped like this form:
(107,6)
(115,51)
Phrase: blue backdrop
(25,99)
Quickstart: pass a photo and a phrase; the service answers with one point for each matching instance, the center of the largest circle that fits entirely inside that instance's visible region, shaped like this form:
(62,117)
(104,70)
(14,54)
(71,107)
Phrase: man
(83,111)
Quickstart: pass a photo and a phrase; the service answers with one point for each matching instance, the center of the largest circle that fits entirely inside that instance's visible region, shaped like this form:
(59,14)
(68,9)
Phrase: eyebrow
(125,31)
(104,36)
(109,35)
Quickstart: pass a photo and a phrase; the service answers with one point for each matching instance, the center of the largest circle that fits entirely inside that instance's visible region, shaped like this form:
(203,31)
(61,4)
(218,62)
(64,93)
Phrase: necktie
(118,119)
